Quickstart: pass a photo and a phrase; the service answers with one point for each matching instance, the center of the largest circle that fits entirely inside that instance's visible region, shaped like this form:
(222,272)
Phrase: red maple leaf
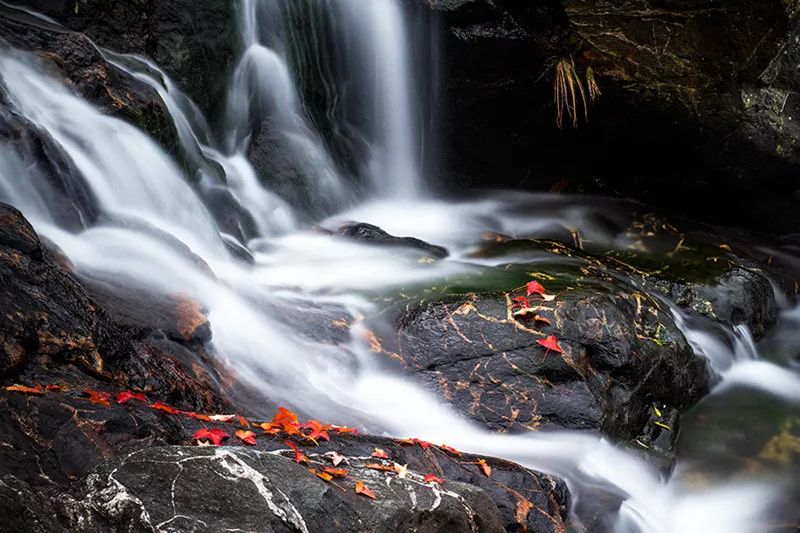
(287,421)
(299,457)
(551,343)
(318,431)
(97,397)
(215,435)
(361,488)
(248,437)
(431,478)
(520,301)
(534,287)
(126,395)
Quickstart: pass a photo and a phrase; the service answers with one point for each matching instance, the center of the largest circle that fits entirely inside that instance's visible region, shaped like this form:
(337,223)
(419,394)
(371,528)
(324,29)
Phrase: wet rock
(185,488)
(715,83)
(622,354)
(187,38)
(74,58)
(371,234)
(49,319)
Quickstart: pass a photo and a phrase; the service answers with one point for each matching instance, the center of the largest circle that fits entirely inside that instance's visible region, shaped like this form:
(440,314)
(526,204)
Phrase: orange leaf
(158,406)
(97,397)
(431,478)
(299,457)
(318,431)
(450,450)
(343,429)
(197,416)
(322,475)
(540,318)
(487,470)
(56,387)
(524,507)
(335,472)
(379,454)
(412,441)
(362,489)
(126,395)
(248,437)
(36,389)
(215,435)
(243,422)
(551,343)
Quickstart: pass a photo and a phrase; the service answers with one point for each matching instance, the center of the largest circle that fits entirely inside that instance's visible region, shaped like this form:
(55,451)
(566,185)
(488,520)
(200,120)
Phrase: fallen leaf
(36,389)
(431,478)
(345,430)
(380,454)
(362,489)
(222,418)
(243,422)
(551,343)
(534,287)
(322,475)
(487,470)
(402,470)
(318,431)
(381,467)
(524,507)
(97,397)
(215,435)
(248,437)
(661,424)
(56,387)
(197,416)
(412,441)
(337,458)
(520,301)
(335,472)
(287,421)
(450,450)
(158,406)
(124,396)
(299,457)
(542,319)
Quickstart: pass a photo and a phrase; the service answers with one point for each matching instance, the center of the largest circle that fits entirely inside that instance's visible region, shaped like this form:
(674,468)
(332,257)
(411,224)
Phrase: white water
(131,176)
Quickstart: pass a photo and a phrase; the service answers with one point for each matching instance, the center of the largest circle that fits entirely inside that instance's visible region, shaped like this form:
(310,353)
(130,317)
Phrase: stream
(738,454)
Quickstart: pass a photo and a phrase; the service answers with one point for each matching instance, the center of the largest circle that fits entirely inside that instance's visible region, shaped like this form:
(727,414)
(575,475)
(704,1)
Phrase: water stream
(133,179)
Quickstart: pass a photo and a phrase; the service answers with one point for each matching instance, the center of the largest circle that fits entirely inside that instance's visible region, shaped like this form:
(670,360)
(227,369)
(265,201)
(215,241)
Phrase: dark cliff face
(697,100)
(193,40)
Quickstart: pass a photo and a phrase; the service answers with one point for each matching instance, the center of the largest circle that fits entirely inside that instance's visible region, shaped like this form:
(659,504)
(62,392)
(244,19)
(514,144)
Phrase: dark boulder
(370,234)
(698,98)
(194,41)
(72,57)
(622,357)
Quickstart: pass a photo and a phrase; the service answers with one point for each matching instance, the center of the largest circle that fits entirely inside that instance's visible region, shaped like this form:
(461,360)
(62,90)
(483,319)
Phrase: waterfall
(132,178)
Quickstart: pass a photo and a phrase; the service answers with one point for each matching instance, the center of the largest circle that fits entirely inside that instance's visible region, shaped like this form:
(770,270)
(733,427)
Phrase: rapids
(133,179)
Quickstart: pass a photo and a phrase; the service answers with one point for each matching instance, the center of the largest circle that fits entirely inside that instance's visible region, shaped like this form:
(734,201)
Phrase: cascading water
(131,178)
